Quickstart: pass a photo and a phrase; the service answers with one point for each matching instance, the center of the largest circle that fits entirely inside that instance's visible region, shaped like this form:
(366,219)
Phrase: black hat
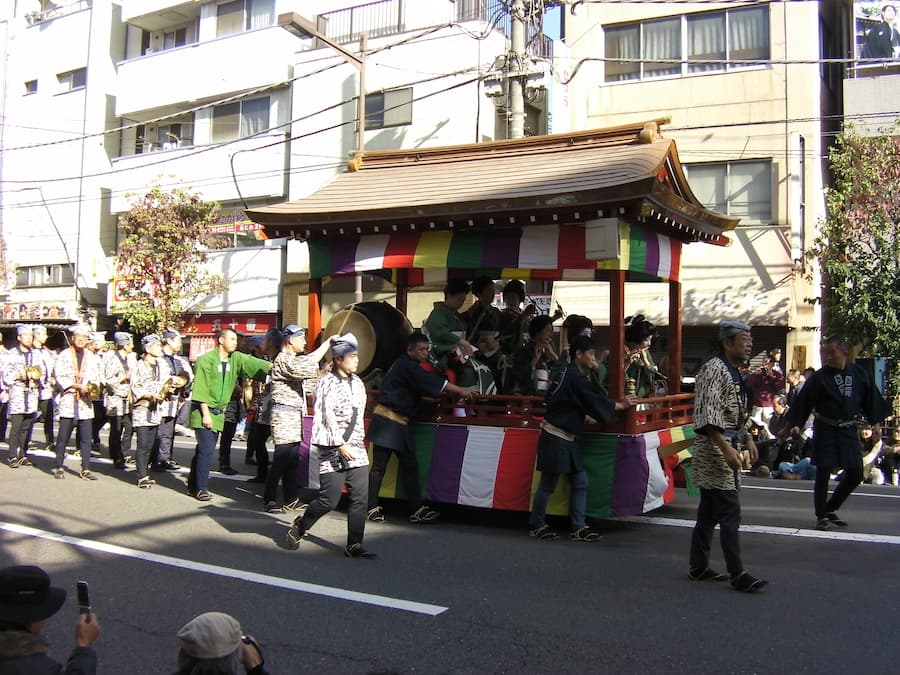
(26,595)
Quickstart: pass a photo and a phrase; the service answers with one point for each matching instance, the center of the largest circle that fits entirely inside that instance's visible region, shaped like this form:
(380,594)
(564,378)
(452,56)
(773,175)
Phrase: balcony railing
(390,17)
(55,11)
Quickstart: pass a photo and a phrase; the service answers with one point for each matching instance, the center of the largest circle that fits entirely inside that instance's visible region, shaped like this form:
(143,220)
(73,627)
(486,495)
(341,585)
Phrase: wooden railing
(527,412)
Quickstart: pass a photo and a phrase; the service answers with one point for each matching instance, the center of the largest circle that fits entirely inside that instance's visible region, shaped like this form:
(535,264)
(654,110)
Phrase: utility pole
(514,63)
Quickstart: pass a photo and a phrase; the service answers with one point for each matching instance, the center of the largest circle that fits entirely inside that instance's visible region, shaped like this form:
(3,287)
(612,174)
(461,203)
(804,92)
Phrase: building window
(389,109)
(31,87)
(73,79)
(175,132)
(742,189)
(726,38)
(44,275)
(240,15)
(240,119)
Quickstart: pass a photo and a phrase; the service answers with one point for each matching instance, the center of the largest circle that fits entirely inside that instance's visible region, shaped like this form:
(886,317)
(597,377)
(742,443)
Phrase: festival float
(610,205)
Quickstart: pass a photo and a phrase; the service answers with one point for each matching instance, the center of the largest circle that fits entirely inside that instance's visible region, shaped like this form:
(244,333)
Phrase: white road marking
(886,495)
(241,575)
(779,531)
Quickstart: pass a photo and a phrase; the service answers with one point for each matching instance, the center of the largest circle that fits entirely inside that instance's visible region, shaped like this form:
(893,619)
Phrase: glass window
(748,35)
(31,87)
(240,15)
(623,43)
(72,79)
(706,41)
(726,38)
(230,18)
(254,116)
(742,189)
(389,109)
(226,123)
(661,41)
(241,119)
(260,13)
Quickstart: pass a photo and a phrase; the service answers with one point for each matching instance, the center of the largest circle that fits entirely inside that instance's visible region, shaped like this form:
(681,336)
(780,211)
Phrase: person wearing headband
(338,435)
(118,365)
(23,389)
(77,374)
(291,372)
(46,404)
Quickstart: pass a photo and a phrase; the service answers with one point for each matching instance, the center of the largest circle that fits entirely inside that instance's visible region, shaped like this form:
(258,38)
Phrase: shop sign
(38,311)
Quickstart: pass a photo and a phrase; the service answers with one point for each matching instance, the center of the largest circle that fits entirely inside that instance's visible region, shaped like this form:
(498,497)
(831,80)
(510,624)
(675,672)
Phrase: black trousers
(165,441)
(120,433)
(83,438)
(226,438)
(357,481)
(823,504)
(409,472)
(256,442)
(146,438)
(45,415)
(722,508)
(284,469)
(19,431)
(100,418)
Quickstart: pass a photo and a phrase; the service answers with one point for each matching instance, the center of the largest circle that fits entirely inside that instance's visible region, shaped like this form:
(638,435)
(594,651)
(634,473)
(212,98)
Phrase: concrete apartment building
(214,97)
(753,136)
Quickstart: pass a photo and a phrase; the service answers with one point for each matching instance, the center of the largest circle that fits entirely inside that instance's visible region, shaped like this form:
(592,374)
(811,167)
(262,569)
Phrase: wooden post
(673,371)
(402,290)
(616,364)
(314,313)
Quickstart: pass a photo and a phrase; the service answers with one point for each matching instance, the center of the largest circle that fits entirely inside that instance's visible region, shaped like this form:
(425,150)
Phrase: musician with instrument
(177,370)
(447,330)
(97,345)
(513,319)
(117,368)
(483,329)
(534,360)
(46,404)
(151,387)
(22,374)
(642,376)
(77,374)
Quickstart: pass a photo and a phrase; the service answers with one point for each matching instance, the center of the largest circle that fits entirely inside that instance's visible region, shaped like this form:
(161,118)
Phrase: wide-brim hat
(26,595)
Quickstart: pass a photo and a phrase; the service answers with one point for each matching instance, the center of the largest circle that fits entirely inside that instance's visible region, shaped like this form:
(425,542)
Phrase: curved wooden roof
(563,178)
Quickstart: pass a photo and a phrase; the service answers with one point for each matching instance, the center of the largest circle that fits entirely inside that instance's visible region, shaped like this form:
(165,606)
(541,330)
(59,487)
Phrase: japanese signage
(38,311)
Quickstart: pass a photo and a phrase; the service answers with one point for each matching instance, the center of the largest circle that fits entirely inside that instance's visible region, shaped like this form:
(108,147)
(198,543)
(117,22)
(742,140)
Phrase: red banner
(249,324)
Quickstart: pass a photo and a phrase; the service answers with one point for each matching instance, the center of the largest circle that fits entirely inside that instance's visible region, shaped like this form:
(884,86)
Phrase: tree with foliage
(858,246)
(161,260)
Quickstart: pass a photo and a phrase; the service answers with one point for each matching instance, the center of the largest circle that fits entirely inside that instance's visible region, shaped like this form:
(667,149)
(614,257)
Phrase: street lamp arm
(304,28)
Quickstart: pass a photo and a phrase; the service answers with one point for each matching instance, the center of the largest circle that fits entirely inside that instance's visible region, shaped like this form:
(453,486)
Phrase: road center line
(241,575)
(779,531)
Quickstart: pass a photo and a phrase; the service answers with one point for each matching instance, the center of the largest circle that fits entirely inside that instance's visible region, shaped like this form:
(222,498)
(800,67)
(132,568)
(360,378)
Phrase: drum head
(351,320)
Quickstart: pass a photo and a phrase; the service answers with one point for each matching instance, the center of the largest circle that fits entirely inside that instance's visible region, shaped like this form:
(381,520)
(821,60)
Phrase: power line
(421,36)
(217,146)
(279,142)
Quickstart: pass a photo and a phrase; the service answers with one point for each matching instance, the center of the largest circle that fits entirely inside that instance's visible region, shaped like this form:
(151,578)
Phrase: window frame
(214,138)
(616,73)
(246,16)
(69,80)
(31,87)
(39,276)
(375,116)
(729,166)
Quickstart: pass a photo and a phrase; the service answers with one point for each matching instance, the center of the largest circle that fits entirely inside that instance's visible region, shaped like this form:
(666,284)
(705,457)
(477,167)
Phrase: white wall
(254,276)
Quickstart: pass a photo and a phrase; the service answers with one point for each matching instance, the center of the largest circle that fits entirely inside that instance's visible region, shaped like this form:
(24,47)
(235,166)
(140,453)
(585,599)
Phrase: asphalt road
(469,594)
